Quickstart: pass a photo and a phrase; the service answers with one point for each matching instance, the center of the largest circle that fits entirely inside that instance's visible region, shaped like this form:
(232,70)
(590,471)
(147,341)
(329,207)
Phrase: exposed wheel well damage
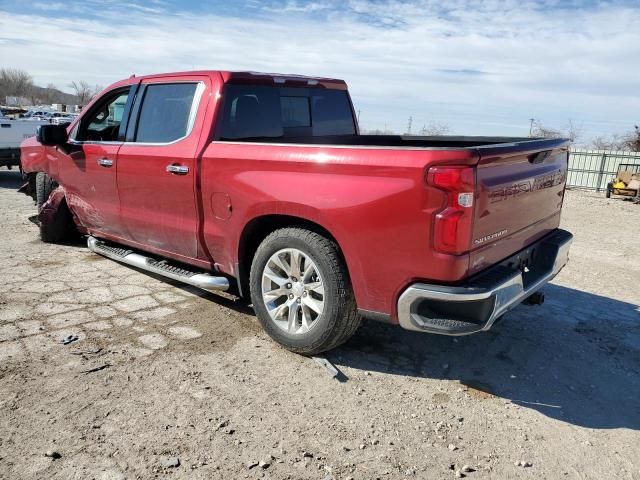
(29,187)
(258,229)
(55,202)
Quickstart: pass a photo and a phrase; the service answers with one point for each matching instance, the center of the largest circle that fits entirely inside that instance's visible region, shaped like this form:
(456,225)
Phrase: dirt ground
(166,381)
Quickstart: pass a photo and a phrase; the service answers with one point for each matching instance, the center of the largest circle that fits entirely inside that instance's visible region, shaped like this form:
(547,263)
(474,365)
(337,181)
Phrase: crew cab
(262,184)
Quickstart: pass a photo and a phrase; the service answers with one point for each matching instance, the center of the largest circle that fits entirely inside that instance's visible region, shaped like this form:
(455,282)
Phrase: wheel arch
(258,228)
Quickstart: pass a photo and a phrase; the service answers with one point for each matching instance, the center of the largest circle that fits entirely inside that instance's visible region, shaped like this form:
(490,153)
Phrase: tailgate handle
(539,157)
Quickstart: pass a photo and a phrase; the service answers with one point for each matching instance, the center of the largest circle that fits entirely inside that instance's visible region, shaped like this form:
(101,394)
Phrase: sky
(480,67)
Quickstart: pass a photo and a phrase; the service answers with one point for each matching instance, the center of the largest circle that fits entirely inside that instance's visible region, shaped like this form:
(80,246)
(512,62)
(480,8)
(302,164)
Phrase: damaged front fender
(51,207)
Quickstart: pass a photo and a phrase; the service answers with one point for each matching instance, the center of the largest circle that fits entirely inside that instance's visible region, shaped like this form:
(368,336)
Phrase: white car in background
(12,133)
(63,118)
(36,115)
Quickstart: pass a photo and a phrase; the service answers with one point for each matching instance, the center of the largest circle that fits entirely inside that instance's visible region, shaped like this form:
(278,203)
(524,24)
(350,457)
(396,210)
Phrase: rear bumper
(480,301)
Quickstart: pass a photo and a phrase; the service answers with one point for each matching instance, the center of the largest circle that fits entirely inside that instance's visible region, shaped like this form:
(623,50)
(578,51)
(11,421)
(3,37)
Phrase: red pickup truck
(262,183)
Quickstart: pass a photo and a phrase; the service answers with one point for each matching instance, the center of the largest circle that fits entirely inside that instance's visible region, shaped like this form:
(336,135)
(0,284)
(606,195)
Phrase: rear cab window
(264,111)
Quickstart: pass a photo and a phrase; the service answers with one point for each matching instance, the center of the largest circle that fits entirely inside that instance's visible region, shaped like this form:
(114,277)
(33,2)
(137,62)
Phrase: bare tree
(35,95)
(14,82)
(629,141)
(96,90)
(570,130)
(51,94)
(435,129)
(632,139)
(614,142)
(378,131)
(542,131)
(82,90)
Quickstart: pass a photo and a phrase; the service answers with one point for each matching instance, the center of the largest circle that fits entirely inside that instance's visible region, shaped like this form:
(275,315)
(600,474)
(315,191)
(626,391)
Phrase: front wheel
(61,226)
(301,292)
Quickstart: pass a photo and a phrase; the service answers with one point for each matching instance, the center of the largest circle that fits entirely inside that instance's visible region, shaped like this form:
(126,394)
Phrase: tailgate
(520,188)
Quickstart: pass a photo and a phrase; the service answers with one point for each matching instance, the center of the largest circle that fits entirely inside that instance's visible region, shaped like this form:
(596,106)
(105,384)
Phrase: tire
(338,319)
(61,227)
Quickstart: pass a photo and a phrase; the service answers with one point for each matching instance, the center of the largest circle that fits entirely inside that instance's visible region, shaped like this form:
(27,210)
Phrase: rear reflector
(453,224)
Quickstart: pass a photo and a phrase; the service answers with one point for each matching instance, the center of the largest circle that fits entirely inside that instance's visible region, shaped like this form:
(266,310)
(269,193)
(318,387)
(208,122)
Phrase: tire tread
(343,326)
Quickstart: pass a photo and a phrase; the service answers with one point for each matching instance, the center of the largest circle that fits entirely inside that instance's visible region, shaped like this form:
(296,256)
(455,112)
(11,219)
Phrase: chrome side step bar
(159,267)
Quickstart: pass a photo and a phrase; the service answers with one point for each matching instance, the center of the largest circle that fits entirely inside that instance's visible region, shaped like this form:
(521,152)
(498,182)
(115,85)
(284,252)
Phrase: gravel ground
(166,381)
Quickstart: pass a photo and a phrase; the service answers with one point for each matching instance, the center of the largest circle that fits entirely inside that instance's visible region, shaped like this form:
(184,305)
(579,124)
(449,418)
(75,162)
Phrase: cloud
(48,6)
(482,67)
(292,6)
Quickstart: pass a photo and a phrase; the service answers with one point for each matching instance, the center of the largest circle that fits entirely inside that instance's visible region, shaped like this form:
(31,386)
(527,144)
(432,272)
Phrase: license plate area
(533,262)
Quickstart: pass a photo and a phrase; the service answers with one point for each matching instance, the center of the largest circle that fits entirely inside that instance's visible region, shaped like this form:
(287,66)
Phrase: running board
(159,267)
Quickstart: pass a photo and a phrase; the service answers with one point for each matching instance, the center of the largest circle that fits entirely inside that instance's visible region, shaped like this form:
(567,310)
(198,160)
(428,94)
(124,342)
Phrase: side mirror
(52,135)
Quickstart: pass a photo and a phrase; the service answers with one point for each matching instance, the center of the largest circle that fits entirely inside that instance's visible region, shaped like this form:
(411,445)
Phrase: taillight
(453,224)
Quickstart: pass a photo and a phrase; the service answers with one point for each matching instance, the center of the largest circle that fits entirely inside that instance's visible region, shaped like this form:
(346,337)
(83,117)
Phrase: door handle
(105,162)
(177,169)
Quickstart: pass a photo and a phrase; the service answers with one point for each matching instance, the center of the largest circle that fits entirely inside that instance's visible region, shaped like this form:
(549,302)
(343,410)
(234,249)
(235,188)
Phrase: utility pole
(531,120)
(409,126)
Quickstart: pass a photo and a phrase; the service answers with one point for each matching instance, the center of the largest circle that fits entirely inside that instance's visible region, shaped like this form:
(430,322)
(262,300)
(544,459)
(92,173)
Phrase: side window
(165,111)
(102,123)
(251,111)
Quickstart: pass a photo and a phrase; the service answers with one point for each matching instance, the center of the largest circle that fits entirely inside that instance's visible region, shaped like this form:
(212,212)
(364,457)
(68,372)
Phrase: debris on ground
(69,339)
(222,424)
(169,462)
(97,369)
(330,368)
(266,462)
(52,454)
(86,352)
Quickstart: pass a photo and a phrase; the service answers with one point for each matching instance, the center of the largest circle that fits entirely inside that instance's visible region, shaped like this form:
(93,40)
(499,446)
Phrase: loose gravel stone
(169,462)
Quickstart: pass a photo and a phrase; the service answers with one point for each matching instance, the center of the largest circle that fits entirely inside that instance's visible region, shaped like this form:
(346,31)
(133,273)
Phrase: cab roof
(248,77)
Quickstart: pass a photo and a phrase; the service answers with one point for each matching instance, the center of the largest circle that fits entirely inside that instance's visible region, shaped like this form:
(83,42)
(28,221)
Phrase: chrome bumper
(475,306)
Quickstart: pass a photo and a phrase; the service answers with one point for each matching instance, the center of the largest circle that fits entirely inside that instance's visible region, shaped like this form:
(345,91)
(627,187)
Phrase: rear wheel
(301,292)
(61,226)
